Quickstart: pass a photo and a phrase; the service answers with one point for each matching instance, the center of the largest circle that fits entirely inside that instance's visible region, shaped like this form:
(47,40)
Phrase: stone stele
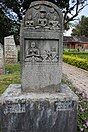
(10,50)
(2,69)
(41,47)
(40,103)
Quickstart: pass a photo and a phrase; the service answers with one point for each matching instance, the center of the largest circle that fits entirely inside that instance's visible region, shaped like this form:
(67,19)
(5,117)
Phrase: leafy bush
(76,61)
(77,54)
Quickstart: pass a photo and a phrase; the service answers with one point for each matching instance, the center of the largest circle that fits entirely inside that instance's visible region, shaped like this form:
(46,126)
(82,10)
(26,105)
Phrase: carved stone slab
(1,59)
(10,50)
(41,47)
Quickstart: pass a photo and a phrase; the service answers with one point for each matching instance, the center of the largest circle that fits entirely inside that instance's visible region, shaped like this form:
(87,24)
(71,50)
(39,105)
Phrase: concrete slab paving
(77,76)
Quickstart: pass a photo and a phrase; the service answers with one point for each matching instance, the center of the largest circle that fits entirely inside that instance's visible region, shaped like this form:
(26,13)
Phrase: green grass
(12,78)
(13,68)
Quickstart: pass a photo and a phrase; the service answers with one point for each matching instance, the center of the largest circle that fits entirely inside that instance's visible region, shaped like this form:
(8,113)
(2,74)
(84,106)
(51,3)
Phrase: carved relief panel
(46,51)
(42,16)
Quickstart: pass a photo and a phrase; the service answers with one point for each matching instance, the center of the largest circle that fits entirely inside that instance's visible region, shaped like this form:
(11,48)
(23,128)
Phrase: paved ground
(77,76)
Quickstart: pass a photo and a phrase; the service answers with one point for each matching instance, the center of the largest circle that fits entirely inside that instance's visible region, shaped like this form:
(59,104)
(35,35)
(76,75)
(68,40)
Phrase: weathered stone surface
(38,112)
(41,47)
(40,103)
(10,50)
(1,60)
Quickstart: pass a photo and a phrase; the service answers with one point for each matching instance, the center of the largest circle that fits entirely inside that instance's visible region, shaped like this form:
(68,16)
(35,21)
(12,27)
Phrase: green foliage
(18,55)
(81,28)
(12,68)
(76,61)
(77,54)
(7,26)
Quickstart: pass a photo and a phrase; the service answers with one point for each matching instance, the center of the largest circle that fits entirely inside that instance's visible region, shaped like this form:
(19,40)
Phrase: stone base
(38,112)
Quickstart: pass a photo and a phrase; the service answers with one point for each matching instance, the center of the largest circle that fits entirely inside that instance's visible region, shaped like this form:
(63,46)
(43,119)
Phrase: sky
(83,12)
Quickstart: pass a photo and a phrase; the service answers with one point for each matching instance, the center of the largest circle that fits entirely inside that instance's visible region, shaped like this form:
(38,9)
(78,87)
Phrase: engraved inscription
(10,51)
(14,108)
(63,105)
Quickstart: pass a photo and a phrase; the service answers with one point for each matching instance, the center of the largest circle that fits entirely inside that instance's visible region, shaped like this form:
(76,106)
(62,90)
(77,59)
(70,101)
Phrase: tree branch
(77,12)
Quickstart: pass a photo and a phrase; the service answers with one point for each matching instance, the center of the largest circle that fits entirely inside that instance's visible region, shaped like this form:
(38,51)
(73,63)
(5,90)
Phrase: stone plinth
(38,112)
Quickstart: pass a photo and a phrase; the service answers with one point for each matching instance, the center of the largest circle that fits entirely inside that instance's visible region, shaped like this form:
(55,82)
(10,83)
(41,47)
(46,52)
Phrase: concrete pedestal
(38,112)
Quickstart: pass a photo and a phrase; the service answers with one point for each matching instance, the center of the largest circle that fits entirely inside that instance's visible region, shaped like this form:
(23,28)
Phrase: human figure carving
(33,53)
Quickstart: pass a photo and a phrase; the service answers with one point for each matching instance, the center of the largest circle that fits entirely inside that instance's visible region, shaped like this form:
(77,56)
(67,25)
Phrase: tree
(81,29)
(15,9)
(70,8)
(7,26)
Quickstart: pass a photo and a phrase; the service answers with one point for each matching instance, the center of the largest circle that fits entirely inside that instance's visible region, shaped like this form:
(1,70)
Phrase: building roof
(69,39)
(80,39)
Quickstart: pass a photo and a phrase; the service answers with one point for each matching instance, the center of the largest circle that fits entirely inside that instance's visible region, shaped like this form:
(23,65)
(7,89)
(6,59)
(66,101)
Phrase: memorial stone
(1,59)
(10,50)
(41,103)
(41,48)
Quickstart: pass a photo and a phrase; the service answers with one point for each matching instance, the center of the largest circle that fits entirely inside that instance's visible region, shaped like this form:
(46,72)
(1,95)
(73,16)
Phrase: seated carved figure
(33,54)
